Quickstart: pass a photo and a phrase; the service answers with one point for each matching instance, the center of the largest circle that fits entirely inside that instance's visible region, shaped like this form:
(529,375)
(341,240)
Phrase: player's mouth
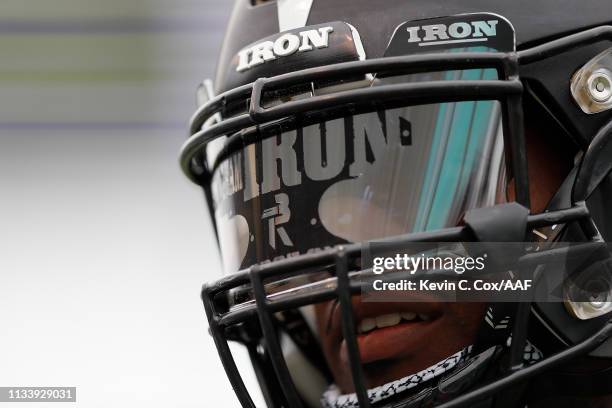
(394,335)
(392,330)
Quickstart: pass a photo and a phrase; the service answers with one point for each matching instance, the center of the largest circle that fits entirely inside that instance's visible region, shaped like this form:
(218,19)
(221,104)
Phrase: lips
(389,330)
(388,320)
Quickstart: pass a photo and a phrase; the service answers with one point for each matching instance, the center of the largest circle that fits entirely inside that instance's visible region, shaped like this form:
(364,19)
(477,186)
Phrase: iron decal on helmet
(295,49)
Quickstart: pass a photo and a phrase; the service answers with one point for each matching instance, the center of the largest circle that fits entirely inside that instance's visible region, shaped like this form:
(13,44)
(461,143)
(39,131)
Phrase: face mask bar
(507,90)
(219,319)
(506,65)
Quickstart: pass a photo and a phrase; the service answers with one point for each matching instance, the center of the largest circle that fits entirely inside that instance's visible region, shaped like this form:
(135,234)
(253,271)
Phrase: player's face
(427,331)
(408,337)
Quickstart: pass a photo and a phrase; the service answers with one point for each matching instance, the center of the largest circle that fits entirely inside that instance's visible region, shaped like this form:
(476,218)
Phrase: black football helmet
(340,129)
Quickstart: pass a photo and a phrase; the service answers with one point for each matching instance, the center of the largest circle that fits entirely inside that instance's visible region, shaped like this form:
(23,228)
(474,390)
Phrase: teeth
(409,316)
(367,324)
(388,320)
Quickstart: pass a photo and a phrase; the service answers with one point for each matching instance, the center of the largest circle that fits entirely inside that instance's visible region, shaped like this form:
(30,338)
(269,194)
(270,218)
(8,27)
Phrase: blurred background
(104,245)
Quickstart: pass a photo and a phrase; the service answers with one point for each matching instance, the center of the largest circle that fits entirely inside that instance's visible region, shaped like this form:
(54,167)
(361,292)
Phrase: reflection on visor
(426,185)
(358,178)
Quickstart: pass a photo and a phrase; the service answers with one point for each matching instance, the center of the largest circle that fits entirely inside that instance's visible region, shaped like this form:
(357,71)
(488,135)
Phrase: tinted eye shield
(312,109)
(506,89)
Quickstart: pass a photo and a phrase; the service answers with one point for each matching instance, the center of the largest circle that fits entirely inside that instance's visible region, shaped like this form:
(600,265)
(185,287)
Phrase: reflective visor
(359,177)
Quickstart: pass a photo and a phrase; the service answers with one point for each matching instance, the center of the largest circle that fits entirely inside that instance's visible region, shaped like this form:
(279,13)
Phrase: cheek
(331,348)
(322,311)
(467,317)
(319,309)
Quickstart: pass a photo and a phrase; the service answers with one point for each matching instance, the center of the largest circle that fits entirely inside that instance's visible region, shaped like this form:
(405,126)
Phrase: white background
(104,245)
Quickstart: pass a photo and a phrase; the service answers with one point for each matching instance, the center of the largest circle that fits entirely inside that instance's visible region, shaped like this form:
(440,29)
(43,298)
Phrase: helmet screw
(597,304)
(598,300)
(599,86)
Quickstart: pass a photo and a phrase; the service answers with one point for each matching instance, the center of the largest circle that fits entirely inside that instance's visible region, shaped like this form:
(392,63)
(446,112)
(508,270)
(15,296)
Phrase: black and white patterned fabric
(332,398)
(531,354)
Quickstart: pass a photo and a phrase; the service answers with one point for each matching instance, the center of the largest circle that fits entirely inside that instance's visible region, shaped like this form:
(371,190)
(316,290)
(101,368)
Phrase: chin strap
(456,374)
(492,225)
(332,398)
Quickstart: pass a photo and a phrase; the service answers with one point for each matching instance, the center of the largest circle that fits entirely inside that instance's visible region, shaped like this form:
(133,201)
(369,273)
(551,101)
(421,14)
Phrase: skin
(394,352)
(391,353)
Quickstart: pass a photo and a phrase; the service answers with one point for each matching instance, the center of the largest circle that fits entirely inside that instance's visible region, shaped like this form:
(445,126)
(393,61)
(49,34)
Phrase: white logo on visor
(278,215)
